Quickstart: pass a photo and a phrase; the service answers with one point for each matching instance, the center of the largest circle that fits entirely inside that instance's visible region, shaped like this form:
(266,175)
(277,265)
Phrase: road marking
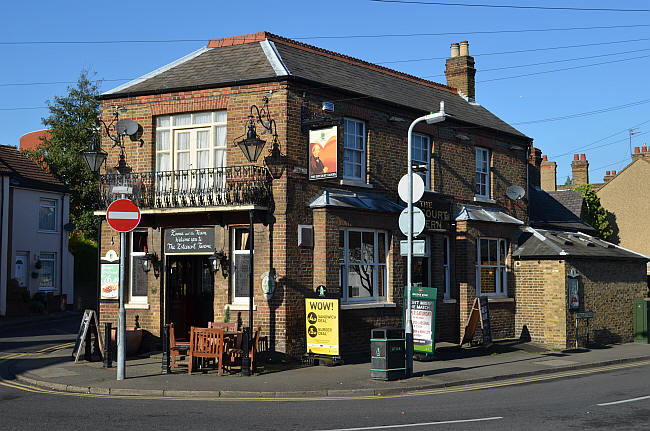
(381,427)
(624,401)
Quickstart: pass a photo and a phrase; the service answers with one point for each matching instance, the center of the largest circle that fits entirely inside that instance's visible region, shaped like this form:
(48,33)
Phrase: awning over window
(491,215)
(362,201)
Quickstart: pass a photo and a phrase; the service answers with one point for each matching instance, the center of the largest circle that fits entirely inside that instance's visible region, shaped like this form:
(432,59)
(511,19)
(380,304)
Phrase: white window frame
(350,148)
(445,267)
(135,299)
(238,299)
(47,203)
(419,144)
(47,257)
(377,266)
(482,168)
(501,268)
(174,124)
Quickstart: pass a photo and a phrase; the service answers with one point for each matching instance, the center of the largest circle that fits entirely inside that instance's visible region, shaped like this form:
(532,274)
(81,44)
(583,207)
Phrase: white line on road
(625,401)
(417,425)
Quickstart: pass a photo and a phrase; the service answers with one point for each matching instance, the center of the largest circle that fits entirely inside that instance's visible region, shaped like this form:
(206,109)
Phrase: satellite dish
(126,127)
(515,192)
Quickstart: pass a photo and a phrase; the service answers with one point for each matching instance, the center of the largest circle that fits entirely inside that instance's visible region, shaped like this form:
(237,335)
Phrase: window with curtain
(362,264)
(47,215)
(48,271)
(354,150)
(491,273)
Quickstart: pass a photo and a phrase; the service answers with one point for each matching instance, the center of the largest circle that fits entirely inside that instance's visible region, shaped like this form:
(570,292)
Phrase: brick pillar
(534,166)
(548,177)
(580,168)
(326,246)
(465,270)
(460,70)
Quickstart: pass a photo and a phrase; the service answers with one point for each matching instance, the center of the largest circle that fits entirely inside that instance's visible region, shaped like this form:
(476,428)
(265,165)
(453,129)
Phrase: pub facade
(329,215)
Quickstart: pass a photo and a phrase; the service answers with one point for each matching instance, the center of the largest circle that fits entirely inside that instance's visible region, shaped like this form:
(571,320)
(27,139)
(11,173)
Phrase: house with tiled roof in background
(34,227)
(330,217)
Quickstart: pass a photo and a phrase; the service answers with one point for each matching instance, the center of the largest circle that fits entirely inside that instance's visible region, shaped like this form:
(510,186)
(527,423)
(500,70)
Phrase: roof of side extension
(263,57)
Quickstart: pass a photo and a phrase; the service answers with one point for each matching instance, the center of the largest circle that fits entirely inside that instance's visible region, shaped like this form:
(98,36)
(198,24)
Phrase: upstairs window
(482,172)
(191,141)
(420,156)
(354,150)
(47,215)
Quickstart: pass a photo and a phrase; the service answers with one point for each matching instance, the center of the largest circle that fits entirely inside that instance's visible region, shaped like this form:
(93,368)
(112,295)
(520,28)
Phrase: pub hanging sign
(189,241)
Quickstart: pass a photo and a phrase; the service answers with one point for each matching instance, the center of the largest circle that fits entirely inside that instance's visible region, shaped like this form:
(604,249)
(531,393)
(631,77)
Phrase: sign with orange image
(323,153)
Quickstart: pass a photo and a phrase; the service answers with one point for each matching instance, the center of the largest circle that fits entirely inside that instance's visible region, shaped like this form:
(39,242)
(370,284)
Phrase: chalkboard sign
(189,241)
(89,326)
(242,269)
(485,321)
(139,278)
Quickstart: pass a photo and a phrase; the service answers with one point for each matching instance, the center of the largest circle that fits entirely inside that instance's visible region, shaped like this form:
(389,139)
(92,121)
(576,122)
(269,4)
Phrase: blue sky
(520,101)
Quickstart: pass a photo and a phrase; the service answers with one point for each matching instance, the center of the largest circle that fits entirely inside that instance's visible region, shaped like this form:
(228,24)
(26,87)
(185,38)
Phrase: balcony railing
(229,186)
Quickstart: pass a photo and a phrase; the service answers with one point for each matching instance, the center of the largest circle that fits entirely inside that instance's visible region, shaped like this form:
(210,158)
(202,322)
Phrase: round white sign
(403,188)
(418,221)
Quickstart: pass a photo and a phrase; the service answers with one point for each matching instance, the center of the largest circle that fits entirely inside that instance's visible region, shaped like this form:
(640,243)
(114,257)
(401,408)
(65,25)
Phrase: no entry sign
(123,215)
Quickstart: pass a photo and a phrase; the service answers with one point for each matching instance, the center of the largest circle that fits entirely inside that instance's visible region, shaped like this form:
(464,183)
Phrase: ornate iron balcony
(232,185)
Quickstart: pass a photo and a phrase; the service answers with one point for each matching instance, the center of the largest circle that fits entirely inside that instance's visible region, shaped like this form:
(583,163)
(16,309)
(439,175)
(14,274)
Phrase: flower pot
(133,339)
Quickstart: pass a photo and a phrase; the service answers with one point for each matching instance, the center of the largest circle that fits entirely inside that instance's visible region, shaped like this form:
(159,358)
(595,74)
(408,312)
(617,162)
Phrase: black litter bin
(387,352)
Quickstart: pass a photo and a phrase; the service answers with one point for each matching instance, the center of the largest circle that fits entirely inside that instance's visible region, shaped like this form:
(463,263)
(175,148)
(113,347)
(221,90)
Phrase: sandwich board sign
(322,326)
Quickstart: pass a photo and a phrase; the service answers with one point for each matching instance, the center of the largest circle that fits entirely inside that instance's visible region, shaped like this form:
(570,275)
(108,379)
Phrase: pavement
(54,368)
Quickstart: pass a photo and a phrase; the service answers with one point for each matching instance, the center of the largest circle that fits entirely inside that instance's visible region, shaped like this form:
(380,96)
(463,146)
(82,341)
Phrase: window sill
(47,231)
(239,307)
(356,183)
(449,301)
(136,306)
(362,305)
(486,200)
(500,299)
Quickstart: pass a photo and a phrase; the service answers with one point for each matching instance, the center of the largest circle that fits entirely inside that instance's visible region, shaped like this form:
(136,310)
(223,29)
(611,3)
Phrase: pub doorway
(190,284)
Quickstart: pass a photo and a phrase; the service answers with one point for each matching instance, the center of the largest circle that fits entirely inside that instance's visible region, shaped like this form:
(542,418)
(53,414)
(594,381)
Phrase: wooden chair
(206,343)
(176,348)
(234,355)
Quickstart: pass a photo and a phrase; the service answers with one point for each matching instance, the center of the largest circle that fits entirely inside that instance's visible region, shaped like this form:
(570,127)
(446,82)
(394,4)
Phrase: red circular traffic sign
(123,215)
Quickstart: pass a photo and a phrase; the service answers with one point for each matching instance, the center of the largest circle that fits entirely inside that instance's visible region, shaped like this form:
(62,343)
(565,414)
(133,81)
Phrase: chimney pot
(576,157)
(644,149)
(613,172)
(545,158)
(608,173)
(583,157)
(464,48)
(455,50)
(637,150)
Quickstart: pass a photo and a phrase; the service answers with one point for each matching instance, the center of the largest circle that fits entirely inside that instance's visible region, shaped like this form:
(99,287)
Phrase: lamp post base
(246,359)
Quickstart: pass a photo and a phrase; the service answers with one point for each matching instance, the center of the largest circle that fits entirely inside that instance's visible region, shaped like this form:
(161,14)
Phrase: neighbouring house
(33,140)
(34,217)
(606,279)
(626,198)
(558,210)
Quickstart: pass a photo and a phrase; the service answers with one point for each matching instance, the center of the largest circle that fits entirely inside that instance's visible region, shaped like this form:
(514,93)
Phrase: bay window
(362,264)
(491,274)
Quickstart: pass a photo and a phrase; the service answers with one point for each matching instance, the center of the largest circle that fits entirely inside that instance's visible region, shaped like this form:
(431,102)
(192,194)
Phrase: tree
(595,215)
(568,181)
(71,122)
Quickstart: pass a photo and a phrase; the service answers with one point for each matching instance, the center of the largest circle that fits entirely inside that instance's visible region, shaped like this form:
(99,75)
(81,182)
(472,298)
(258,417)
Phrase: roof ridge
(262,35)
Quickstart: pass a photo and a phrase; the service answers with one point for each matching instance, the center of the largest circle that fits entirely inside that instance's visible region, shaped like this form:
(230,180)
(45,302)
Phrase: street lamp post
(430,119)
(252,147)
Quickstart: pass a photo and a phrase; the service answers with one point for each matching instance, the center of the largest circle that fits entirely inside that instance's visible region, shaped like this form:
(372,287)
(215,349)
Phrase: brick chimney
(640,152)
(547,174)
(608,176)
(460,70)
(580,168)
(534,166)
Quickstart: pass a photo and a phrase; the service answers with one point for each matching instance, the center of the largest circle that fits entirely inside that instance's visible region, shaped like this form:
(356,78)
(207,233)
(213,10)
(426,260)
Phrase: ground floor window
(445,267)
(48,271)
(362,264)
(241,264)
(138,283)
(491,274)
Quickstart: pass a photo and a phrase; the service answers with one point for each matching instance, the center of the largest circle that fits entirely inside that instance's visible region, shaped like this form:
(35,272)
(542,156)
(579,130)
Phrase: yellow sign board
(322,320)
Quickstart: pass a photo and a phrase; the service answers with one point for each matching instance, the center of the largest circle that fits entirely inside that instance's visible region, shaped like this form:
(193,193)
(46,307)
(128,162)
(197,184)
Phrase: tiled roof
(25,173)
(539,243)
(556,210)
(265,57)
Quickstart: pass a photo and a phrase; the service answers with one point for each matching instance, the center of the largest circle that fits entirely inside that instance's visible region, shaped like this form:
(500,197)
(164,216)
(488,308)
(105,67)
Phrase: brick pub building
(336,228)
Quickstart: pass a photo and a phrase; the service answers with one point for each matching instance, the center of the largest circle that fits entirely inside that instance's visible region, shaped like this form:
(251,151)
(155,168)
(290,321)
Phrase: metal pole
(409,258)
(121,314)
(246,362)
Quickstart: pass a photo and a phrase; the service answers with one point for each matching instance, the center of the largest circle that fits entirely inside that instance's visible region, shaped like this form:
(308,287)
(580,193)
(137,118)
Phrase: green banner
(423,317)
